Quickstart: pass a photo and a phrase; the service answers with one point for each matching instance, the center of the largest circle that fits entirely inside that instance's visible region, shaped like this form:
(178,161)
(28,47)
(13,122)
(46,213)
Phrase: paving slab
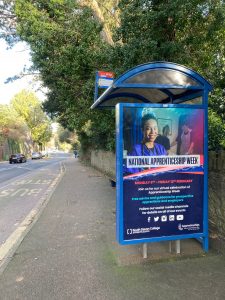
(71,253)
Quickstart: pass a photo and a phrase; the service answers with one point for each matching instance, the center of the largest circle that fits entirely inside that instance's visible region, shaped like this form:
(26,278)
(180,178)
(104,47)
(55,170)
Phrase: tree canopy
(12,125)
(190,33)
(71,39)
(28,108)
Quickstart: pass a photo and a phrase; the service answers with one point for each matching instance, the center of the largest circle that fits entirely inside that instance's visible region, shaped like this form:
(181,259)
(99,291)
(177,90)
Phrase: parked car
(17,158)
(36,155)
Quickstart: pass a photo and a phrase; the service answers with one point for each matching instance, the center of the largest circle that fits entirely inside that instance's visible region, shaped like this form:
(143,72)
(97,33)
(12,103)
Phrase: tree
(67,48)
(67,140)
(8,21)
(14,132)
(189,33)
(217,103)
(106,14)
(11,125)
(216,132)
(28,107)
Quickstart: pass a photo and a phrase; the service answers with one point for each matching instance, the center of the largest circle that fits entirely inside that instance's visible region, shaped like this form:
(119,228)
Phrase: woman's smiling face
(150,130)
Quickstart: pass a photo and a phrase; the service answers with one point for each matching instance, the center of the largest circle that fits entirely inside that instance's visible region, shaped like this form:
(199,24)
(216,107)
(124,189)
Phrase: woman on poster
(147,147)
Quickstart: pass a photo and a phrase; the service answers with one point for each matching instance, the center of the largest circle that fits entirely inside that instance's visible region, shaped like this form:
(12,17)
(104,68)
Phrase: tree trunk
(93,4)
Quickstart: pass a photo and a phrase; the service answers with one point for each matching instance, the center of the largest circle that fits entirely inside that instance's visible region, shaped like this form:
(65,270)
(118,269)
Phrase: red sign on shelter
(105,74)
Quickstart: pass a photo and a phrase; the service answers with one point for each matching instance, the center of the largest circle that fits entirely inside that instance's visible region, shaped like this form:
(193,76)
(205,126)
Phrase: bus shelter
(161,153)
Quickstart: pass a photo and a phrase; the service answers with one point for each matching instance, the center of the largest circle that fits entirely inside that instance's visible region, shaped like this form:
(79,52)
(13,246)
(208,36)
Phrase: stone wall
(10,146)
(4,150)
(105,162)
(217,199)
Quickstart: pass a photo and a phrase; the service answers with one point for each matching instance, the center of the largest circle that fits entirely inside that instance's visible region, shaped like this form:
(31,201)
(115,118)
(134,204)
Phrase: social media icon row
(165,218)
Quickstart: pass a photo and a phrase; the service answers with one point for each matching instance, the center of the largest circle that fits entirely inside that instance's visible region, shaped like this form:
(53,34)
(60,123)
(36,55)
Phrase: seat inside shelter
(156,82)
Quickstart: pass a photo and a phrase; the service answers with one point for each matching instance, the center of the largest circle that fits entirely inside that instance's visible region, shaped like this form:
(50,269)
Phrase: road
(8,172)
(24,190)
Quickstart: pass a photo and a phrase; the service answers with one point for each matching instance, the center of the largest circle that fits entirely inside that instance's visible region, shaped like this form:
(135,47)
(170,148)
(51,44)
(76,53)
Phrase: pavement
(71,253)
(22,200)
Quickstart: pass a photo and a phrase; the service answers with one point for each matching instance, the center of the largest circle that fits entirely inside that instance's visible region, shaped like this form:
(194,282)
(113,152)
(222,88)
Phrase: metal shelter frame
(156,82)
(163,84)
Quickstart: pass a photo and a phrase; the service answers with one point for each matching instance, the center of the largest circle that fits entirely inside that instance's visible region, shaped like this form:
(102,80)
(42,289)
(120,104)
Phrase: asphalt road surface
(8,172)
(24,189)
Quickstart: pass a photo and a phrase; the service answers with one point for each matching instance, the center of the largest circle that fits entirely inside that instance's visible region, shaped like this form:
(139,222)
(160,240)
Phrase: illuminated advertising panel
(160,172)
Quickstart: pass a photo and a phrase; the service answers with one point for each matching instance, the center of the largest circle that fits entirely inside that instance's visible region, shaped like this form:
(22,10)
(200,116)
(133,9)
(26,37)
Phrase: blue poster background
(165,201)
(176,210)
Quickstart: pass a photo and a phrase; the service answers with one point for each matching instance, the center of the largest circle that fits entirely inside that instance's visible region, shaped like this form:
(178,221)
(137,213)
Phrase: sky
(12,62)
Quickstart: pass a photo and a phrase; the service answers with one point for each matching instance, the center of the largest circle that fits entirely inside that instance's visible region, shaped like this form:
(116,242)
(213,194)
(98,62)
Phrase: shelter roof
(155,82)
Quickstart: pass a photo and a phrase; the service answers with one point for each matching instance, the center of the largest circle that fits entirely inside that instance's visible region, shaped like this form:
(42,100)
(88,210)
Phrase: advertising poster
(163,172)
